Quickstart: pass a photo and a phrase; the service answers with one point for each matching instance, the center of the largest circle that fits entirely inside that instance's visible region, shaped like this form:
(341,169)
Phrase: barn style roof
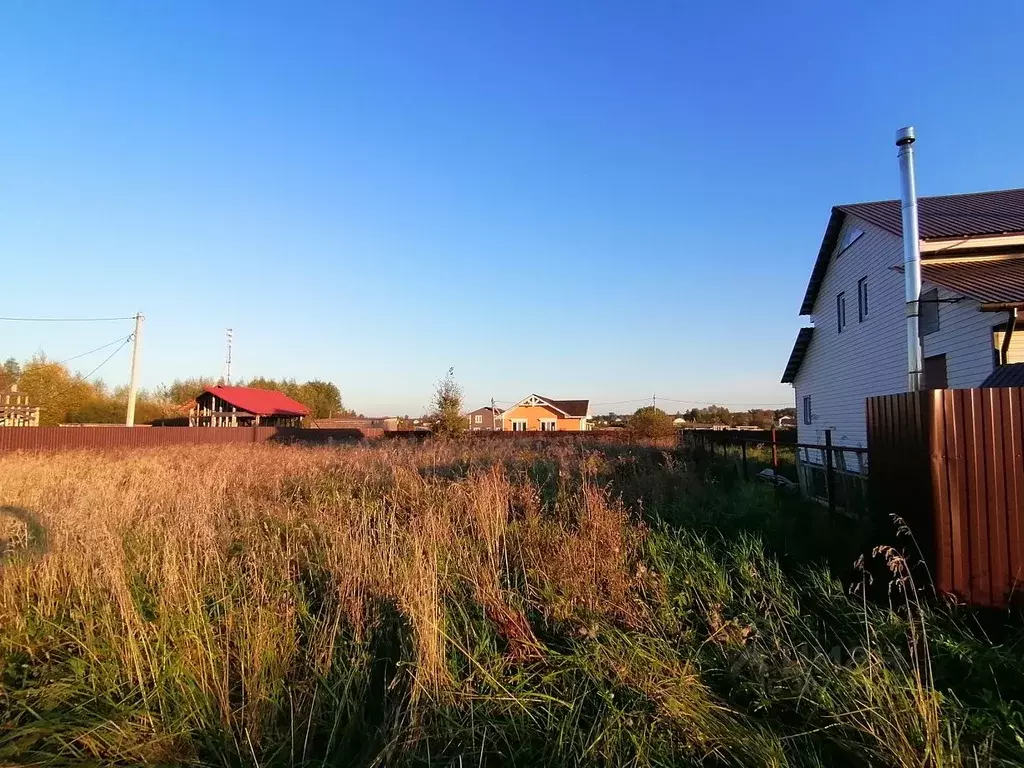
(260,402)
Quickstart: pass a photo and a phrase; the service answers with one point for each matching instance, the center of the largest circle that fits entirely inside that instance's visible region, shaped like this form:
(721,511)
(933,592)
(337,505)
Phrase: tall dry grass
(404,604)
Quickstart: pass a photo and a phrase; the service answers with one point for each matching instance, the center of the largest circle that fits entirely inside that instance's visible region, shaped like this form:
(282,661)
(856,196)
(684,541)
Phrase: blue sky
(601,200)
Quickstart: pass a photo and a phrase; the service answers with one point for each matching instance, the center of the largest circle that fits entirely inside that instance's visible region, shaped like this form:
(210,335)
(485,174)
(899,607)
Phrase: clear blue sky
(573,198)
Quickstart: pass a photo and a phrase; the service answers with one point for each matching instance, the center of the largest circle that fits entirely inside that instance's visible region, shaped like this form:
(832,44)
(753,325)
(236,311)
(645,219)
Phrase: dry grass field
(467,604)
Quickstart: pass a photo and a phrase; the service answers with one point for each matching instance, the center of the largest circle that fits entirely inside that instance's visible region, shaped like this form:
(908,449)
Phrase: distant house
(544,414)
(246,407)
(678,421)
(387,423)
(485,419)
(15,410)
(786,422)
(972,269)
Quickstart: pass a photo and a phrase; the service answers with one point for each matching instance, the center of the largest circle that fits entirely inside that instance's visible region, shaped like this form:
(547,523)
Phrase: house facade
(484,419)
(544,414)
(972,252)
(246,407)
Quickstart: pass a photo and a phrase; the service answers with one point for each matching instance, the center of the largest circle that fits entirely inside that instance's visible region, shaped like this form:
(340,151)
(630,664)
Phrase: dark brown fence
(950,463)
(832,482)
(81,438)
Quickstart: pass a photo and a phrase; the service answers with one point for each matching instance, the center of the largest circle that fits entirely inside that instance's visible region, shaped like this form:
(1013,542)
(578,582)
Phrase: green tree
(9,373)
(182,391)
(52,387)
(651,422)
(322,398)
(447,417)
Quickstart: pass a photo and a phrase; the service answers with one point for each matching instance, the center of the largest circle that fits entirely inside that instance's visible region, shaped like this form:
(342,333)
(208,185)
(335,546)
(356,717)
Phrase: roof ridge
(933,197)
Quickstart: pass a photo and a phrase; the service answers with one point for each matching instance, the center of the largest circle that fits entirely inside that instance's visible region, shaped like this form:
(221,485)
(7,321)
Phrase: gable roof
(796,357)
(260,402)
(488,409)
(1005,376)
(573,409)
(971,215)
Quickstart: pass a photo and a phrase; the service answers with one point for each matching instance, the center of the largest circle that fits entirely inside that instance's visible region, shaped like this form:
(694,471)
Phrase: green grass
(468,604)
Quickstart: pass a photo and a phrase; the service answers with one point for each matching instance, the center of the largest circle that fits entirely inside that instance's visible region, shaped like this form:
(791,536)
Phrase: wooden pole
(775,458)
(830,481)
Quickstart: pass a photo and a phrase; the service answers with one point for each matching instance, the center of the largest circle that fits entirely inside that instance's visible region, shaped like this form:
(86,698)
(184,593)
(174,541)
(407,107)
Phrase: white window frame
(862,299)
(852,236)
(841,311)
(478,419)
(519,425)
(552,422)
(808,414)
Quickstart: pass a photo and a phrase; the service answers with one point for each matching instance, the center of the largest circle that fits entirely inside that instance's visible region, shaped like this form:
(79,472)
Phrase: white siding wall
(965,337)
(840,370)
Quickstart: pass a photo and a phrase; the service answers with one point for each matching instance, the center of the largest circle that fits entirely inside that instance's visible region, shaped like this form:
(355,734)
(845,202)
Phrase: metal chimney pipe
(911,257)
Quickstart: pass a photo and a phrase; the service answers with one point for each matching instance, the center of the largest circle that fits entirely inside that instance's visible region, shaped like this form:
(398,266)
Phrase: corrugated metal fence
(950,463)
(72,438)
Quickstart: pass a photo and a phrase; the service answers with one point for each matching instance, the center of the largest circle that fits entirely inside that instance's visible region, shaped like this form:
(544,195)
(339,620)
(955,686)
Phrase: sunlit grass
(464,603)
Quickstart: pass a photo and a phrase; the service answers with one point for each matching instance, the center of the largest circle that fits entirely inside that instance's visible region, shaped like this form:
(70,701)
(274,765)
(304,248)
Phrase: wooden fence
(832,483)
(115,437)
(950,463)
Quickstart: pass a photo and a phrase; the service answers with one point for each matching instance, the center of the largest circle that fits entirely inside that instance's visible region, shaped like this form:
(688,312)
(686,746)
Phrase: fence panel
(951,463)
(117,437)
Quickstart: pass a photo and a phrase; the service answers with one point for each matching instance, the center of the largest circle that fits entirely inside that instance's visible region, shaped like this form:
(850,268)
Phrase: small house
(485,419)
(246,407)
(545,414)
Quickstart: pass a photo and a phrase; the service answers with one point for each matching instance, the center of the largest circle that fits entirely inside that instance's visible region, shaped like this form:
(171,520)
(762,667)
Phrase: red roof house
(246,407)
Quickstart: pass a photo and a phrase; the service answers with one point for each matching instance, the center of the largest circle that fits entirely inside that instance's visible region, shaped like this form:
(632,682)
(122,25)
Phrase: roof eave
(828,245)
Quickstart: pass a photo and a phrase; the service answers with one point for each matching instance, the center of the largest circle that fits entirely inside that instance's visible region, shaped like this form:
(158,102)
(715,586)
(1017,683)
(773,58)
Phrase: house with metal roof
(246,407)
(545,414)
(972,269)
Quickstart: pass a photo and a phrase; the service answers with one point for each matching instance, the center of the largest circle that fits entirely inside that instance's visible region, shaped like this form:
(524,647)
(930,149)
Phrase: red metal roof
(980,213)
(990,281)
(971,215)
(260,402)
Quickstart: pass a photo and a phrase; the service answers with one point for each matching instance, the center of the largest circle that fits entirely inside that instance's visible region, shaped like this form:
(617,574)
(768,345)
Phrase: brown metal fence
(83,438)
(950,463)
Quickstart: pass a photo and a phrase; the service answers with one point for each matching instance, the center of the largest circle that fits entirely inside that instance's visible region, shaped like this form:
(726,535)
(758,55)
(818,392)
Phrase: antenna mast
(227,363)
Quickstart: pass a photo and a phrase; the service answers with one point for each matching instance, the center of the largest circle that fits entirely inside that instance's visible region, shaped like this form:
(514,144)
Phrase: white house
(972,267)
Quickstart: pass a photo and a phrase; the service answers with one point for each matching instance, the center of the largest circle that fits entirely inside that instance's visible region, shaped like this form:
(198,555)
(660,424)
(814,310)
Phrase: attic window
(849,238)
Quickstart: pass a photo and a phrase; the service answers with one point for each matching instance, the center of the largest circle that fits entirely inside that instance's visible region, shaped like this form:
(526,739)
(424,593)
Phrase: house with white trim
(545,414)
(972,268)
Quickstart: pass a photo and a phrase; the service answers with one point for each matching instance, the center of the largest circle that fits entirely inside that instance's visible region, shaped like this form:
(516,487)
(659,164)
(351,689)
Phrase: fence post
(743,446)
(830,481)
(775,459)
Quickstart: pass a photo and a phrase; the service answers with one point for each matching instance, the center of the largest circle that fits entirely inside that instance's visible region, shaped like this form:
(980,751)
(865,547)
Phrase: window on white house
(841,311)
(807,409)
(849,238)
(929,309)
(518,425)
(478,419)
(548,425)
(862,298)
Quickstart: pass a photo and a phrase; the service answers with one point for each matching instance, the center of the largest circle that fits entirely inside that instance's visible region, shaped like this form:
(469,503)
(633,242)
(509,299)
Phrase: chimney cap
(905,136)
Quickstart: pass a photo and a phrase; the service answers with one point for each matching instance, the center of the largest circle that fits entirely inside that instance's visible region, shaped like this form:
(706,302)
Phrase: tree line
(64,397)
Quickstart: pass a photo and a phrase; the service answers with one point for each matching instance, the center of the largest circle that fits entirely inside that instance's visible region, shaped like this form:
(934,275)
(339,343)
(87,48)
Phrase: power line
(79,380)
(91,351)
(64,319)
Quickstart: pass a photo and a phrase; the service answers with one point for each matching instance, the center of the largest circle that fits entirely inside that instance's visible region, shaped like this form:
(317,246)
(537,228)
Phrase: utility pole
(654,400)
(494,417)
(227,367)
(133,384)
